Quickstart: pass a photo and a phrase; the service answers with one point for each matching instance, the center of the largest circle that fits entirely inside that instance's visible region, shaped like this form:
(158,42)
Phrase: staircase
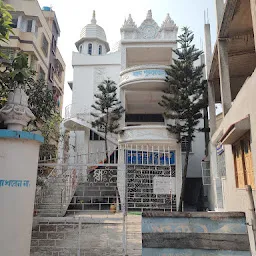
(56,195)
(197,233)
(97,193)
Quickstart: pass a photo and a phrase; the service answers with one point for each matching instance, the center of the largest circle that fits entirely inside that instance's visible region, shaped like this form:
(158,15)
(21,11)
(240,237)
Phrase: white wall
(243,105)
(89,71)
(18,161)
(197,155)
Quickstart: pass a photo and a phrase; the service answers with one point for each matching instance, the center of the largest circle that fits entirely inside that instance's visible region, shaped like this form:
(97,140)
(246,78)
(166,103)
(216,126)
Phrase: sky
(74,15)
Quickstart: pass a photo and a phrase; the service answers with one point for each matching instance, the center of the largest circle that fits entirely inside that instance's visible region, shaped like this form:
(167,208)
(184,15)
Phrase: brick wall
(64,238)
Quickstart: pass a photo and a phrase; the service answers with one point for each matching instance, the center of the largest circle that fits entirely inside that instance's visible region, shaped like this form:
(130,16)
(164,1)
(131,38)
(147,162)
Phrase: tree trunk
(106,146)
(106,132)
(184,175)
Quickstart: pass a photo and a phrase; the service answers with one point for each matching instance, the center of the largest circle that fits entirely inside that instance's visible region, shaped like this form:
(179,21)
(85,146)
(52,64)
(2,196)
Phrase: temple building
(147,152)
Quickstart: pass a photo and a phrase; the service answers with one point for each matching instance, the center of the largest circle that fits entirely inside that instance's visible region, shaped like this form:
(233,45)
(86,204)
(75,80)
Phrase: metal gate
(95,209)
(81,210)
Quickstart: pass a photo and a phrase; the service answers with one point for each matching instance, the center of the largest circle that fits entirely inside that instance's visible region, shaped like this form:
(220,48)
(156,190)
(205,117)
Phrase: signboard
(142,74)
(154,158)
(161,185)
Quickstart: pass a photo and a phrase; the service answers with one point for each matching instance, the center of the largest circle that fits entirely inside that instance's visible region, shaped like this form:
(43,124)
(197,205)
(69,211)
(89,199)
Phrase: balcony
(78,118)
(152,134)
(135,77)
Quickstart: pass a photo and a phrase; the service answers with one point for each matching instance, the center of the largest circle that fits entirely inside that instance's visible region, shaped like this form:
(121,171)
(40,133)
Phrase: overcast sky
(74,15)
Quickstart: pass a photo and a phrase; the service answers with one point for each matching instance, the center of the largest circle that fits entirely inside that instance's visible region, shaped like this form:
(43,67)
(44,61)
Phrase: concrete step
(195,233)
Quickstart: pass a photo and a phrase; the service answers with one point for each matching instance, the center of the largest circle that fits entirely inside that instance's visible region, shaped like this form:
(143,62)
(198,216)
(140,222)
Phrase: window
(144,118)
(94,136)
(80,48)
(100,50)
(45,45)
(244,172)
(90,49)
(41,74)
(54,44)
(29,25)
(58,69)
(51,72)
(184,144)
(14,23)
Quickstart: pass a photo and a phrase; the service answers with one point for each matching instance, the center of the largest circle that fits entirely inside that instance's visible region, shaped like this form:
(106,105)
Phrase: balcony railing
(146,133)
(76,111)
(143,72)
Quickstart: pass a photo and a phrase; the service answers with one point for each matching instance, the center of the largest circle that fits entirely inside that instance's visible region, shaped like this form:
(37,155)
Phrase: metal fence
(95,208)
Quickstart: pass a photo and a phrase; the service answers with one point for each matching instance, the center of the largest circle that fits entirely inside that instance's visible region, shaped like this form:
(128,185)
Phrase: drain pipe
(252,210)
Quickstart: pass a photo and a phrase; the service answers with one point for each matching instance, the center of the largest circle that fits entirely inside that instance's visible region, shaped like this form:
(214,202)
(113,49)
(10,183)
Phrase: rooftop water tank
(47,8)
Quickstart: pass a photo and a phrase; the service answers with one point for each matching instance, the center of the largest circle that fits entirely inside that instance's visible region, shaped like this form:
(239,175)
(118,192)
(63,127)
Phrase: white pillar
(211,91)
(123,102)
(72,148)
(19,153)
(253,12)
(219,12)
(212,110)
(123,58)
(61,144)
(208,48)
(224,76)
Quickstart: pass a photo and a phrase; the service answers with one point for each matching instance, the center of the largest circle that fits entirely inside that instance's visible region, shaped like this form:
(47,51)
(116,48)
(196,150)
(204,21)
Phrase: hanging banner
(147,158)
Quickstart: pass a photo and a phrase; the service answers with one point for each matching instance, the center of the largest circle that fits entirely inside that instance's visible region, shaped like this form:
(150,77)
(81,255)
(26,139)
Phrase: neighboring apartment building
(138,67)
(232,78)
(36,32)
(231,75)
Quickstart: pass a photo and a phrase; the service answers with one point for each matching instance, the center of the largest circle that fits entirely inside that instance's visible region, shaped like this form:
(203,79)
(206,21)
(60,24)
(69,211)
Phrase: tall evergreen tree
(108,109)
(184,99)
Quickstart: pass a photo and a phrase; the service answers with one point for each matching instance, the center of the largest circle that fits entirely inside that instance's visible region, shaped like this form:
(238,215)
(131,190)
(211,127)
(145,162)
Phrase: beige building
(232,79)
(36,32)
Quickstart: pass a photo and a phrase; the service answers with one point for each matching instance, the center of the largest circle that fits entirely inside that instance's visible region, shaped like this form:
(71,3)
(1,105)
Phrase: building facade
(231,76)
(145,146)
(36,33)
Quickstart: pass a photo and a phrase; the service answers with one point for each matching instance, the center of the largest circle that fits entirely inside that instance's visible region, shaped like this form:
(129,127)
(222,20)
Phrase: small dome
(93,30)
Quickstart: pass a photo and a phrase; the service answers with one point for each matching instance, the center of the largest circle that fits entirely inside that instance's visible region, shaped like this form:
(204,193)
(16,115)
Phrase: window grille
(90,49)
(184,144)
(206,173)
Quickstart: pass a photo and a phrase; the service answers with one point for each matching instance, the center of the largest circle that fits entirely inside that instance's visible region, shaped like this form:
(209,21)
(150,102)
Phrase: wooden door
(239,166)
(248,163)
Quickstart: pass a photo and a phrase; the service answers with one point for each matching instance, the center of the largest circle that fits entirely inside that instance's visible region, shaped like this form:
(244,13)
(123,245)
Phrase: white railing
(81,112)
(135,134)
(62,184)
(135,154)
(139,154)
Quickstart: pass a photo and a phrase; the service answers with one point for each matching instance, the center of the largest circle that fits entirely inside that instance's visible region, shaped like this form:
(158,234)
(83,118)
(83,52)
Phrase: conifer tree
(108,110)
(185,99)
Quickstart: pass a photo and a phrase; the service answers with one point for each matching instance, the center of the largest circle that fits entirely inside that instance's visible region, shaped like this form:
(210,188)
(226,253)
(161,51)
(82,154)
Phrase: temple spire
(93,20)
(149,15)
(129,23)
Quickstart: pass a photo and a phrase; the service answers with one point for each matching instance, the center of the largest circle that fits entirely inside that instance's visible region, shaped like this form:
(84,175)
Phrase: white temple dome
(93,30)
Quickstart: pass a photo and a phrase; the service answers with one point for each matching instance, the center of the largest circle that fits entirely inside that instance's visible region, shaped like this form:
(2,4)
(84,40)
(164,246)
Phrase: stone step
(50,206)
